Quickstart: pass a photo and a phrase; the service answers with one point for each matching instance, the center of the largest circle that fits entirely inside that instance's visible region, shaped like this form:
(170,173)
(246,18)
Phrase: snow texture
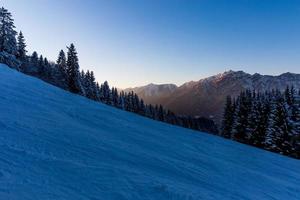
(57,145)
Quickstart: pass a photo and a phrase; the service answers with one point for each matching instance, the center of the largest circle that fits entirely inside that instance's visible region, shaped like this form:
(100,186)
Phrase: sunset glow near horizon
(133,43)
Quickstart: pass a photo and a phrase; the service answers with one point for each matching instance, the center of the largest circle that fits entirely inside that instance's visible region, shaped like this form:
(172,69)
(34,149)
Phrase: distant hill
(206,97)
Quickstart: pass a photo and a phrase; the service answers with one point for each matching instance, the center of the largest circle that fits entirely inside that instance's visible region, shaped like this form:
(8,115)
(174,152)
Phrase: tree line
(65,73)
(269,120)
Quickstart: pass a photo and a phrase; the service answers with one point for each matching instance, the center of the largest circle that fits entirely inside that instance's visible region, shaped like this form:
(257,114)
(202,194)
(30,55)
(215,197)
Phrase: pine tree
(279,134)
(60,72)
(41,61)
(129,101)
(161,113)
(41,66)
(86,84)
(294,111)
(142,106)
(287,95)
(241,117)
(253,114)
(122,100)
(46,62)
(74,82)
(62,62)
(136,103)
(115,97)
(106,93)
(261,110)
(228,118)
(8,41)
(47,70)
(21,47)
(293,108)
(93,88)
(98,91)
(34,58)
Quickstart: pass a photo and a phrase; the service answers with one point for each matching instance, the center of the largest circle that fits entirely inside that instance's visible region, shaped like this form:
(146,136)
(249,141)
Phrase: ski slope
(57,145)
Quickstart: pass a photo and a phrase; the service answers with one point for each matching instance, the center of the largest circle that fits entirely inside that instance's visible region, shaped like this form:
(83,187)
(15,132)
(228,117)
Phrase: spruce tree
(261,110)
(86,84)
(115,97)
(34,59)
(41,66)
(98,90)
(47,70)
(228,118)
(8,34)
(61,69)
(142,110)
(106,93)
(93,88)
(241,118)
(294,119)
(62,62)
(161,113)
(122,100)
(46,62)
(21,47)
(74,82)
(41,61)
(279,135)
(136,103)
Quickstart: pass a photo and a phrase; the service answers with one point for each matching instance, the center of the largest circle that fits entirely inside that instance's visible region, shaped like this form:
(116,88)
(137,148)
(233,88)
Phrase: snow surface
(57,145)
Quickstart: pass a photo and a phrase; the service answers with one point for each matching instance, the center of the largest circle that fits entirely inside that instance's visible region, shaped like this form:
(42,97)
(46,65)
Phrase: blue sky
(136,42)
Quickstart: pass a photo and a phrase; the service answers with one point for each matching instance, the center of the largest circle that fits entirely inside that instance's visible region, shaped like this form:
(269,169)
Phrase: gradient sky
(136,42)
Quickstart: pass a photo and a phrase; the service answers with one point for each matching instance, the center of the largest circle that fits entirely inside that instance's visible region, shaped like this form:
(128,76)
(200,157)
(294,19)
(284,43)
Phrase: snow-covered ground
(57,145)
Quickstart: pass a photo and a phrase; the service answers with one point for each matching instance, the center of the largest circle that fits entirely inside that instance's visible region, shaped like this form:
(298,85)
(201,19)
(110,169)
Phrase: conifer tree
(41,65)
(86,84)
(142,107)
(261,110)
(62,62)
(46,62)
(106,93)
(74,82)
(115,97)
(279,134)
(241,118)
(228,118)
(21,47)
(294,119)
(34,58)
(93,88)
(61,70)
(161,113)
(98,90)
(122,100)
(41,61)
(8,34)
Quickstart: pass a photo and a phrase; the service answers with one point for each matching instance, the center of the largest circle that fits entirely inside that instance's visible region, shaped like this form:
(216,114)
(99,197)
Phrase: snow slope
(56,145)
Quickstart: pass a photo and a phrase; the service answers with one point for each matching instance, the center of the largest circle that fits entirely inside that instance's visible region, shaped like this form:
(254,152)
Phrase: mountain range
(206,97)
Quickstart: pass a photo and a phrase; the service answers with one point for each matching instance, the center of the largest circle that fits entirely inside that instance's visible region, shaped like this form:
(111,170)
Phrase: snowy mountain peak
(152,89)
(206,97)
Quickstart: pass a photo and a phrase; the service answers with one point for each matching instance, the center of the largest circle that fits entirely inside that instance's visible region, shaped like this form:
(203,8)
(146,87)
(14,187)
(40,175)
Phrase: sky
(136,42)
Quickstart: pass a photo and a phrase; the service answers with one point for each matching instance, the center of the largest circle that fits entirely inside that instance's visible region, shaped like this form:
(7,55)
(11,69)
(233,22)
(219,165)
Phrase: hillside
(57,145)
(206,97)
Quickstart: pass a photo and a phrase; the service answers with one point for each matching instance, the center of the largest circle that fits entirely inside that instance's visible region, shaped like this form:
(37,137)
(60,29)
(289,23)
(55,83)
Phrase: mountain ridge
(227,72)
(206,97)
